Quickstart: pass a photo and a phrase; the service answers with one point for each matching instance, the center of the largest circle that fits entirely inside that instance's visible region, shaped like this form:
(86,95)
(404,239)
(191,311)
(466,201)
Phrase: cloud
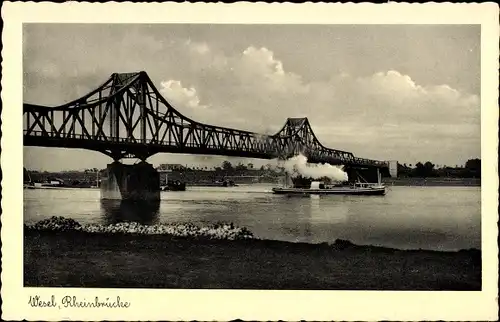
(399,98)
(384,115)
(179,95)
(250,89)
(259,68)
(385,111)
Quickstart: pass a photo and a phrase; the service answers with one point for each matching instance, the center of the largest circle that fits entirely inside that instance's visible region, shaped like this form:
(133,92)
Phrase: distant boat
(224,183)
(228,183)
(171,185)
(320,188)
(174,186)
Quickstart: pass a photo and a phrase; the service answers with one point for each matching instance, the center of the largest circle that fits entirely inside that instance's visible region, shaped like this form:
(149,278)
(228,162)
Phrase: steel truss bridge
(127,117)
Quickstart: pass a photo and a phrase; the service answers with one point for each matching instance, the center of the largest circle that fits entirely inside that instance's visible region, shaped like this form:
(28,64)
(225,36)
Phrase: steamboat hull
(342,191)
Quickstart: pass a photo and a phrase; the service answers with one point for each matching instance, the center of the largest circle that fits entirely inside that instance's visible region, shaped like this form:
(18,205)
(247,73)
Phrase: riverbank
(404,182)
(433,182)
(81,259)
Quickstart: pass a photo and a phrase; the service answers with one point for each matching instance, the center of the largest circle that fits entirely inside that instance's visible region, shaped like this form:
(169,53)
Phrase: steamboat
(303,186)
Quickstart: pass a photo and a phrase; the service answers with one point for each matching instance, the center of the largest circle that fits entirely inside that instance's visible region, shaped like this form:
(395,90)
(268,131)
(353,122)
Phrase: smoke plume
(298,166)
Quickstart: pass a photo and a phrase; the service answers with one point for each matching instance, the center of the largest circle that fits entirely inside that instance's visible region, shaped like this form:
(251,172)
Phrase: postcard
(249,161)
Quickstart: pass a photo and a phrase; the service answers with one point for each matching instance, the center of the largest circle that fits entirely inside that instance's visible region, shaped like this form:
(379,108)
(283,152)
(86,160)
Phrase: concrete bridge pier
(137,182)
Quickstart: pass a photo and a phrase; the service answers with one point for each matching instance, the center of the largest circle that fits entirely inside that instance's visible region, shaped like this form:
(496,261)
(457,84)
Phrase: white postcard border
(236,304)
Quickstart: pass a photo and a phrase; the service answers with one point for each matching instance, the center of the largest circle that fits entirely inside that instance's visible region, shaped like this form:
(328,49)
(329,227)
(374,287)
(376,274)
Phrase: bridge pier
(138,182)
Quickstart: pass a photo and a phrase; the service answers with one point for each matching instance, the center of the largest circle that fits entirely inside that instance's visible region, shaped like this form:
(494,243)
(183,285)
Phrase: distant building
(393,168)
(170,167)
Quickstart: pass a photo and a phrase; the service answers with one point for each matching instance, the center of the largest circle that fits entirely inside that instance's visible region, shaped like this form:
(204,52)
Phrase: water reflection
(324,211)
(115,211)
(311,218)
(326,219)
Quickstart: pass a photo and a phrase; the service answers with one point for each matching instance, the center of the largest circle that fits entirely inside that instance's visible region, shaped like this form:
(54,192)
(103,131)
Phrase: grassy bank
(80,259)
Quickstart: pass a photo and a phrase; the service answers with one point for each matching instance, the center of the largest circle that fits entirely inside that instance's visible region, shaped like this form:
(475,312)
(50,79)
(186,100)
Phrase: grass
(76,259)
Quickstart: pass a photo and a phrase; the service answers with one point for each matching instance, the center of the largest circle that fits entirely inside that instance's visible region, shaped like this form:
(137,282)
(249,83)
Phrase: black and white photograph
(284,156)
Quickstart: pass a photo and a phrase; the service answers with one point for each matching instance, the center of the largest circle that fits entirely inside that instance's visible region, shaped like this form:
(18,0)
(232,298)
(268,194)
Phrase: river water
(439,218)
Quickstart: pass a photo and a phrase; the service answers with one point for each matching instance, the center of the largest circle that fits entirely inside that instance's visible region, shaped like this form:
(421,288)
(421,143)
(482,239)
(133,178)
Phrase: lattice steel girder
(127,115)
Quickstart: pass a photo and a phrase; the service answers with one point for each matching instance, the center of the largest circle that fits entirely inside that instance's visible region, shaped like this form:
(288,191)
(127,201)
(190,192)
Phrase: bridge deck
(128,117)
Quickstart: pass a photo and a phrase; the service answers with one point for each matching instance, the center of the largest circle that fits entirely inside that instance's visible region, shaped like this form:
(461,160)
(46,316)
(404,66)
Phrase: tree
(429,167)
(240,167)
(473,164)
(424,170)
(403,170)
(473,168)
(226,165)
(419,170)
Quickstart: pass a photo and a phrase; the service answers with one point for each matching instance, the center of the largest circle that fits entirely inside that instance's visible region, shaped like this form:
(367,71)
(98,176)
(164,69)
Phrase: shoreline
(82,259)
(397,182)
(433,182)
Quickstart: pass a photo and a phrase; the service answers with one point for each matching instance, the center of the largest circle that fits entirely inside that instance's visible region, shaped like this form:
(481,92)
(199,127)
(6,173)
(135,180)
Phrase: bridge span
(127,117)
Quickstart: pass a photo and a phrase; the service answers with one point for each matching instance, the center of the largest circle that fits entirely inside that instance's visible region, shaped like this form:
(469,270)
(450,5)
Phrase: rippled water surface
(443,218)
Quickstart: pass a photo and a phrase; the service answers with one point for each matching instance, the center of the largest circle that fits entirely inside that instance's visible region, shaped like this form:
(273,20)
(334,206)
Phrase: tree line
(227,166)
(471,169)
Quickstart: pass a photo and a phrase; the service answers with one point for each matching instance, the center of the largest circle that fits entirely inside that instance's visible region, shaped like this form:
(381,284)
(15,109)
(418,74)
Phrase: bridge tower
(137,182)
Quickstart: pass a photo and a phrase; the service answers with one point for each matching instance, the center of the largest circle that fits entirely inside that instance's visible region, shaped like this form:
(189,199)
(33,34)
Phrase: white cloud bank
(385,115)
(179,95)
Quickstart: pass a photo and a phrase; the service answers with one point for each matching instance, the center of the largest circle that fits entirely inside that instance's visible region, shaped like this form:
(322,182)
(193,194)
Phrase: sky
(387,92)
